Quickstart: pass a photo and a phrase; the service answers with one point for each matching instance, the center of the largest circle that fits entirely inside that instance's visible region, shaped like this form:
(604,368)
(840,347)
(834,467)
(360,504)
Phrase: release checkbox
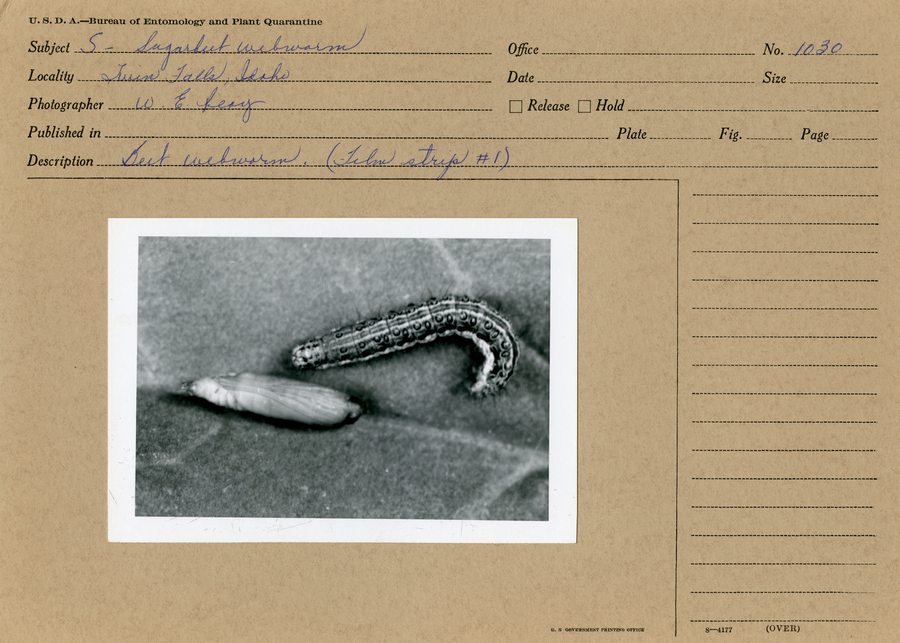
(584,107)
(515,107)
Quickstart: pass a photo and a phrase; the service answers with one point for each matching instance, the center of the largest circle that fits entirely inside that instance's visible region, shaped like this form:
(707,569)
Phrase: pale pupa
(276,397)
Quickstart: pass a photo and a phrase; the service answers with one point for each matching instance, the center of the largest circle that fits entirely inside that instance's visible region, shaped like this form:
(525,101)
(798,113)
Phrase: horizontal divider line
(785,336)
(774,223)
(784,478)
(804,111)
(297,53)
(272,81)
(303,178)
(783,620)
(780,507)
(728,167)
(790,252)
(795,280)
(378,166)
(248,166)
(792,195)
(296,109)
(811,564)
(797,365)
(648,82)
(385,138)
(772,308)
(604,53)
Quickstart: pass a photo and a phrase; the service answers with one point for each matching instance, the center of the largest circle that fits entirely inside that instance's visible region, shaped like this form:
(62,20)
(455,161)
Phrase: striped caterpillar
(419,324)
(276,397)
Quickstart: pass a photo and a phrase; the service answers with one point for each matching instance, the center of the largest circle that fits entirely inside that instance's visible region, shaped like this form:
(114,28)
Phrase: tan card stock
(656,240)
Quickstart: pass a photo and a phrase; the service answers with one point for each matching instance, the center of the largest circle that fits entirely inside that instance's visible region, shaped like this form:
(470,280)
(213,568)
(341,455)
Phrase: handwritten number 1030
(811,49)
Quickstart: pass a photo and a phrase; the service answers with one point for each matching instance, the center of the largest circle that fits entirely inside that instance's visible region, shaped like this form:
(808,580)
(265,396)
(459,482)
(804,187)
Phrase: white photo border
(124,526)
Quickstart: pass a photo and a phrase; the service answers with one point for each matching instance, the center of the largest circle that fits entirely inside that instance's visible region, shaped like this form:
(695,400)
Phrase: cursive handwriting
(430,157)
(288,48)
(169,48)
(202,75)
(210,103)
(135,159)
(122,75)
(201,47)
(228,159)
(342,155)
(255,75)
(183,74)
(354,158)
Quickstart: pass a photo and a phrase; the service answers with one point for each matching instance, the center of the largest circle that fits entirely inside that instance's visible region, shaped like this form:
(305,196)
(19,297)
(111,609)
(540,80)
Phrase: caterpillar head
(308,355)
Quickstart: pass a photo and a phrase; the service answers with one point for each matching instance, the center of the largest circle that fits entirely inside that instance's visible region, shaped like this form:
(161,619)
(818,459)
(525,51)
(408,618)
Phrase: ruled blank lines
(383,138)
(784,336)
(785,450)
(782,507)
(280,81)
(801,111)
(772,308)
(785,479)
(783,422)
(299,109)
(782,620)
(789,252)
(825,280)
(282,52)
(783,535)
(626,53)
(788,195)
(779,393)
(646,82)
(784,592)
(831,82)
(778,223)
(794,365)
(791,564)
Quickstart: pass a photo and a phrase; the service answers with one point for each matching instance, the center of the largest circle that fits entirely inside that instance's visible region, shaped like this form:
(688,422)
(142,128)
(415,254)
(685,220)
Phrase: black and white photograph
(315,379)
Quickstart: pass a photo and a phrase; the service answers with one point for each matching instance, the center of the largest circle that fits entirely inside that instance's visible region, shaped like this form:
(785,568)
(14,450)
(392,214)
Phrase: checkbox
(584,107)
(515,107)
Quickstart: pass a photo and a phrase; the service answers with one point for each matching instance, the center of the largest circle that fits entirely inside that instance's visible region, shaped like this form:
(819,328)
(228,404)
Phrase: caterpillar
(417,324)
(276,397)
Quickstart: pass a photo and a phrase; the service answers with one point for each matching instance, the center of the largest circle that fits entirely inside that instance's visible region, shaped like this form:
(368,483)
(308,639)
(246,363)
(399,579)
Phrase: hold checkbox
(584,107)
